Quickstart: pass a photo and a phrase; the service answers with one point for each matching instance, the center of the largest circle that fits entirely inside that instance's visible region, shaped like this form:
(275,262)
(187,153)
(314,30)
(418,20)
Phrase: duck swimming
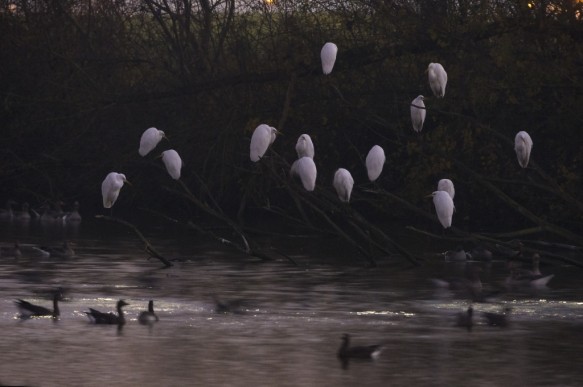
(28,310)
(98,317)
(148,317)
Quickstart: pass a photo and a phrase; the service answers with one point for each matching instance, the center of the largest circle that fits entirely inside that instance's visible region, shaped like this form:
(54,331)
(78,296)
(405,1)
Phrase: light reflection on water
(291,328)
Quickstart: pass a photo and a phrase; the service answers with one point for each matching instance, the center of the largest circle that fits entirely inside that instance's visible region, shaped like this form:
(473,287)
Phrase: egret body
(305,169)
(110,188)
(305,146)
(418,113)
(263,137)
(437,79)
(343,183)
(150,138)
(443,207)
(173,163)
(375,160)
(328,56)
(447,186)
(523,146)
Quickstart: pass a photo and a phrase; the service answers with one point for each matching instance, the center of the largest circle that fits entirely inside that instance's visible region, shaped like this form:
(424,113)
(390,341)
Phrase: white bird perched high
(443,207)
(305,146)
(375,160)
(418,113)
(522,146)
(447,186)
(110,188)
(437,79)
(343,182)
(150,138)
(263,137)
(173,163)
(328,56)
(305,169)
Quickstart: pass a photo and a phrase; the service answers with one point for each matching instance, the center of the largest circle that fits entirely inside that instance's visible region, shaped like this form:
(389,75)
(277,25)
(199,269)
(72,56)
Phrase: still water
(291,320)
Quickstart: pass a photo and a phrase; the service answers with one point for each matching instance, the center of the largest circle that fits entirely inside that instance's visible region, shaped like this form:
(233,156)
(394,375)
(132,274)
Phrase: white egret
(522,146)
(150,138)
(418,113)
(328,56)
(305,169)
(111,186)
(343,183)
(263,137)
(375,160)
(437,79)
(305,146)
(443,207)
(447,186)
(173,163)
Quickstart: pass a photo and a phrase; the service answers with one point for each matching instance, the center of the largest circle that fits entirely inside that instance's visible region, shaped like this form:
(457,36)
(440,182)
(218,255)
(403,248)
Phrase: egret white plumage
(437,79)
(418,113)
(305,146)
(443,207)
(150,138)
(523,146)
(328,56)
(110,188)
(173,163)
(375,160)
(305,169)
(263,137)
(343,183)
(447,186)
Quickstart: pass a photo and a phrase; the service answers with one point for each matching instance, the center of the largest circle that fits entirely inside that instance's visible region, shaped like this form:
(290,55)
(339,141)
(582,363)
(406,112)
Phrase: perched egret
(437,79)
(110,188)
(173,163)
(328,56)
(418,113)
(375,160)
(343,182)
(150,138)
(522,146)
(447,186)
(263,136)
(305,169)
(305,146)
(443,207)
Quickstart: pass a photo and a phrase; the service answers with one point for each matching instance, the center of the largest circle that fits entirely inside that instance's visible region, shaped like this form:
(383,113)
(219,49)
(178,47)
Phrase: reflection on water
(290,325)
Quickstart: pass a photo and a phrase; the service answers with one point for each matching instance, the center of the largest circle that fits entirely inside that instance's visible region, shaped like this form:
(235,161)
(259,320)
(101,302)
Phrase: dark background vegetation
(80,80)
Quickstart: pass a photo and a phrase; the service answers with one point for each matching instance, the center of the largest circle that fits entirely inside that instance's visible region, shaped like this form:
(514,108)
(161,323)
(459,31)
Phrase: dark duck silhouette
(28,310)
(98,317)
(346,352)
(148,317)
(465,319)
(497,319)
(64,251)
(534,277)
(233,306)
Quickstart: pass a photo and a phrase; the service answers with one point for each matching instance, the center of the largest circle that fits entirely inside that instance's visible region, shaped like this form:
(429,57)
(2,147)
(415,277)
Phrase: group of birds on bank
(305,169)
(45,213)
(28,310)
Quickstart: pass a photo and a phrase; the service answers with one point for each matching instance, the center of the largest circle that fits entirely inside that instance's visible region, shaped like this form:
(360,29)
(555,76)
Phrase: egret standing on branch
(447,186)
(343,183)
(305,169)
(437,79)
(443,207)
(418,113)
(263,137)
(328,56)
(523,146)
(110,188)
(305,146)
(375,160)
(173,163)
(150,138)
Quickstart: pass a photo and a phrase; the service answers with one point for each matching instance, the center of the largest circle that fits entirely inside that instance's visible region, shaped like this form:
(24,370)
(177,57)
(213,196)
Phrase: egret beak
(128,183)
(429,196)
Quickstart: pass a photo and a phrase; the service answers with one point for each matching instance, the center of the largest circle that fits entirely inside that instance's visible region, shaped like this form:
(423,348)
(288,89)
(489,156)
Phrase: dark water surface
(293,319)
